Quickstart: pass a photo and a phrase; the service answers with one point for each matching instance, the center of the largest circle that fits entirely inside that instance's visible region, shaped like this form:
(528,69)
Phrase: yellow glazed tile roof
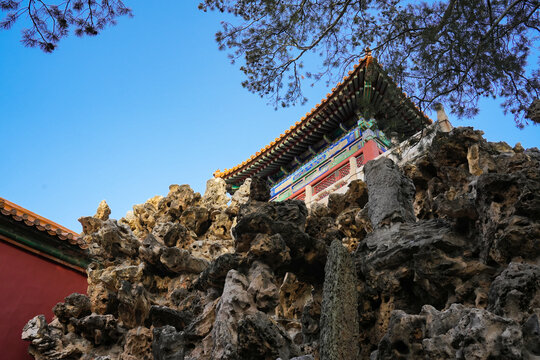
(32,219)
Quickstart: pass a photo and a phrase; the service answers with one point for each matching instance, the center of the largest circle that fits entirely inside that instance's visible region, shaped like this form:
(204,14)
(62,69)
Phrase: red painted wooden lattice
(332,178)
(301,196)
(360,160)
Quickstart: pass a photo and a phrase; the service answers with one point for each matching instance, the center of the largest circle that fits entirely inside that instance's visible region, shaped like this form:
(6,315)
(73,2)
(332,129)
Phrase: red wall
(29,285)
(371,150)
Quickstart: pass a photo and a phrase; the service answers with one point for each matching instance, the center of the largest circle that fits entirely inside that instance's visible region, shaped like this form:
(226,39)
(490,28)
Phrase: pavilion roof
(366,85)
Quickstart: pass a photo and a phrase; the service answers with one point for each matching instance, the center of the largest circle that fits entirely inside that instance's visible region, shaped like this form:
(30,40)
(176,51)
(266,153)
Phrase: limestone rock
(46,341)
(293,297)
(287,218)
(515,293)
(150,252)
(180,260)
(98,329)
(510,224)
(103,211)
(390,193)
(339,313)
(186,277)
(179,198)
(259,190)
(143,217)
(355,225)
(202,324)
(240,197)
(172,234)
(270,249)
(260,338)
(133,304)
(311,315)
(531,336)
(170,208)
(167,344)
(160,316)
(426,260)
(221,226)
(74,305)
(214,275)
(321,224)
(104,285)
(262,287)
(196,218)
(109,238)
(458,332)
(138,344)
(356,197)
(215,196)
(235,303)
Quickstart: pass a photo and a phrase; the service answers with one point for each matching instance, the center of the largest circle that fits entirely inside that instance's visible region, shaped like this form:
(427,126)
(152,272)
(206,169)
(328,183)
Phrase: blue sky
(147,103)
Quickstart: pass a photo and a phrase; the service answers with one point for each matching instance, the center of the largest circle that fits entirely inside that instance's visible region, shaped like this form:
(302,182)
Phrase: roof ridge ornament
(367,50)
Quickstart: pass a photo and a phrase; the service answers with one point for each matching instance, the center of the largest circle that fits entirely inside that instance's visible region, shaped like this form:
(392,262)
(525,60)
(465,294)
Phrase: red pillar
(371,150)
(29,285)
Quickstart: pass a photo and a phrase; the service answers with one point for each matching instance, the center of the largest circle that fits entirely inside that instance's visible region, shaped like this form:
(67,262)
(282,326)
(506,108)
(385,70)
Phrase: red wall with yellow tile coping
(29,285)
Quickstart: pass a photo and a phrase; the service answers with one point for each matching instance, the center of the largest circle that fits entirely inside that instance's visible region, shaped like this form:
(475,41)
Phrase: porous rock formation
(437,258)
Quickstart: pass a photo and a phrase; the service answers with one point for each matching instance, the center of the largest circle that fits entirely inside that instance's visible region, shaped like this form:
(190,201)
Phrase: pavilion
(340,134)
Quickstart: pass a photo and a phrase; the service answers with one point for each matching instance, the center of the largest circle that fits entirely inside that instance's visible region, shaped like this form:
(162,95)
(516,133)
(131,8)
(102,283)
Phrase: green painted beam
(45,248)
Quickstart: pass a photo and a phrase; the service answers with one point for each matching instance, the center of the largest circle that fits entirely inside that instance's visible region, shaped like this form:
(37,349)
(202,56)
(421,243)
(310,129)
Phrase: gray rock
(171,234)
(167,344)
(287,218)
(531,336)
(74,305)
(356,197)
(311,316)
(510,221)
(150,252)
(215,195)
(160,316)
(456,333)
(240,197)
(235,303)
(516,291)
(197,219)
(260,338)
(262,287)
(170,259)
(133,304)
(339,312)
(259,190)
(99,329)
(421,260)
(390,193)
(271,250)
(108,238)
(180,260)
(214,275)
